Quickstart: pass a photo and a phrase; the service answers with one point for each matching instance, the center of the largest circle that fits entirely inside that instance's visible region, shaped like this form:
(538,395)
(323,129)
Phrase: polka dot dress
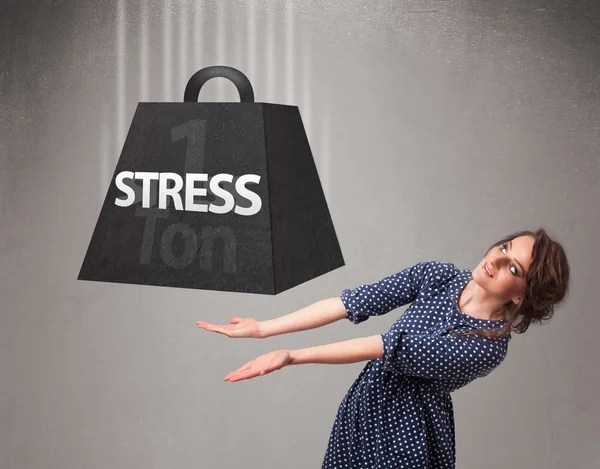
(398,413)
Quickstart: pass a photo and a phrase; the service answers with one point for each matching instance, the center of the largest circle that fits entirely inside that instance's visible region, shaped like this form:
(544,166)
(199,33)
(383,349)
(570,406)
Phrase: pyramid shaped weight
(214,196)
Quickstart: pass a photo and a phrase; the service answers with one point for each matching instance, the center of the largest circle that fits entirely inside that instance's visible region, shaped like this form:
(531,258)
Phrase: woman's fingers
(214,328)
(250,370)
(259,367)
(242,369)
(240,375)
(204,325)
(243,375)
(239,327)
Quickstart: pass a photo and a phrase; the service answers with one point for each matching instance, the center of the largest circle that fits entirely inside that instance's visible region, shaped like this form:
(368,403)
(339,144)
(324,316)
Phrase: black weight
(290,240)
(197,81)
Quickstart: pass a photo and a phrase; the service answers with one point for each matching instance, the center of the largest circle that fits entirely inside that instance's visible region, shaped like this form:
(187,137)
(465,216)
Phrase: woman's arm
(315,315)
(349,351)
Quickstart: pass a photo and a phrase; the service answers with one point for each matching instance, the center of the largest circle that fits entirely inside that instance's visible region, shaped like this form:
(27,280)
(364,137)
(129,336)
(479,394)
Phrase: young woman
(398,412)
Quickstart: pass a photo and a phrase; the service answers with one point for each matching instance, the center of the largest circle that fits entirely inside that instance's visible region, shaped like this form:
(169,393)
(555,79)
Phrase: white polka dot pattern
(398,413)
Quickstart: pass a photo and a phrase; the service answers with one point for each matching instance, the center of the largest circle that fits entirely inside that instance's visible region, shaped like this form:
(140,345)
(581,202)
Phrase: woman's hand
(260,366)
(239,328)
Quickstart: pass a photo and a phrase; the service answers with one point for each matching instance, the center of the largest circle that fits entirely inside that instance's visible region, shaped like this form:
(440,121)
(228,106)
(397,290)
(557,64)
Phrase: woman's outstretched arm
(315,315)
(349,351)
(339,353)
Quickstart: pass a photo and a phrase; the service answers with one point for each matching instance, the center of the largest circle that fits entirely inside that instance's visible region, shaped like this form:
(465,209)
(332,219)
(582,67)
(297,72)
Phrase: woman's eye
(503,248)
(514,270)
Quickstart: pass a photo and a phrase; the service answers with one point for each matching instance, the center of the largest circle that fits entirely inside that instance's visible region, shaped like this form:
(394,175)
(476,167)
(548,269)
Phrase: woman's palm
(239,328)
(260,366)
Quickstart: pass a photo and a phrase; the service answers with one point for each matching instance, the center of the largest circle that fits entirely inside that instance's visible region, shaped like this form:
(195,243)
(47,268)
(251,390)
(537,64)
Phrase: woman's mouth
(486,269)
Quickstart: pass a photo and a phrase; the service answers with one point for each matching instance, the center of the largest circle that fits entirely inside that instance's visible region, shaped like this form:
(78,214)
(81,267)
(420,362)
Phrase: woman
(398,412)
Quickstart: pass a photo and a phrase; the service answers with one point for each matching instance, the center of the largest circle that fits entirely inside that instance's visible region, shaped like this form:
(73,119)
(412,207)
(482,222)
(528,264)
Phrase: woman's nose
(498,261)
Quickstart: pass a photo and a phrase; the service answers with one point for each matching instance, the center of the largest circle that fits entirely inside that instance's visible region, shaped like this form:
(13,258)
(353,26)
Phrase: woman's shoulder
(436,273)
(441,269)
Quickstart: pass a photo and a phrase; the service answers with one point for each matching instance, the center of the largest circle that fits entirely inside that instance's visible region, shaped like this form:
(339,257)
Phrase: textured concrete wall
(437,127)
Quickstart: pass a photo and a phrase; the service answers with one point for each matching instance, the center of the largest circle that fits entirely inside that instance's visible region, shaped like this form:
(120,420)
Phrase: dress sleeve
(389,293)
(442,357)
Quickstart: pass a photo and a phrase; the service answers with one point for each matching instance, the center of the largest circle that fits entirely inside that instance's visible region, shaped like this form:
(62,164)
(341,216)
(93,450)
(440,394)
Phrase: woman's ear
(516,300)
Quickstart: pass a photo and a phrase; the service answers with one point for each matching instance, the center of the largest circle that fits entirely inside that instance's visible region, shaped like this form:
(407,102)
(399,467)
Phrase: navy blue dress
(398,413)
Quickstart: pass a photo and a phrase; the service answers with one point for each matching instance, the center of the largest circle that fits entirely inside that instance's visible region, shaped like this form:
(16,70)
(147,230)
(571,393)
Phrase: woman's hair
(546,285)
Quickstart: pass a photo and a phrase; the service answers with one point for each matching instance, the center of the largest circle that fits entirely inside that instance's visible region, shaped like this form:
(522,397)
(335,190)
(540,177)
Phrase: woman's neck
(476,302)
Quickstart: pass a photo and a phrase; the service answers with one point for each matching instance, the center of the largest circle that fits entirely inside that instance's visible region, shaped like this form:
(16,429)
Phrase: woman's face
(503,270)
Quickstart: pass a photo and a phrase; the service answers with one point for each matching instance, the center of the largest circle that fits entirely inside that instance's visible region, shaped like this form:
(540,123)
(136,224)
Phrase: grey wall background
(437,127)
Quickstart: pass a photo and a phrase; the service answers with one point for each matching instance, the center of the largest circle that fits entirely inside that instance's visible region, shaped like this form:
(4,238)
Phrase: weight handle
(198,79)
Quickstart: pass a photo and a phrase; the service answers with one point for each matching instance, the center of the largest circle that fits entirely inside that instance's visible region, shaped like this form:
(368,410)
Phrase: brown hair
(546,285)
